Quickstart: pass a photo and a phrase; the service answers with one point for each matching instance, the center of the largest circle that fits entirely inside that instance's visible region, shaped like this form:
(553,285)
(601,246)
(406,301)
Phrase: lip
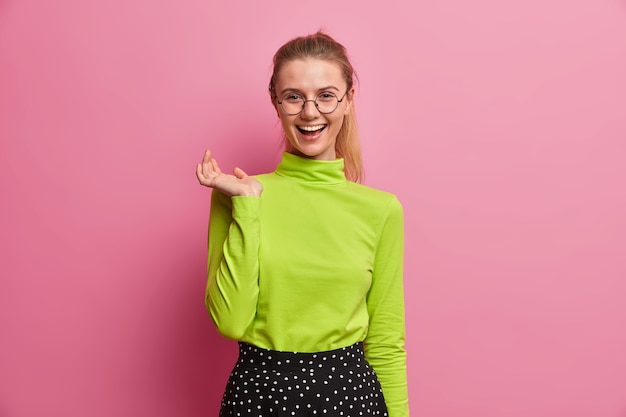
(308,127)
(311,137)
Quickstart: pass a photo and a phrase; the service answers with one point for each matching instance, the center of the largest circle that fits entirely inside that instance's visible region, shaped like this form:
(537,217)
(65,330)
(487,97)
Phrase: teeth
(311,128)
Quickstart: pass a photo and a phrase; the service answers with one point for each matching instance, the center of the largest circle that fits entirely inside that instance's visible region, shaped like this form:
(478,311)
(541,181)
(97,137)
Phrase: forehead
(309,74)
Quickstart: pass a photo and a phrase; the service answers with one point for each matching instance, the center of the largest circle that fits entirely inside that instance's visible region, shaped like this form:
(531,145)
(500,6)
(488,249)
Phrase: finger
(207,156)
(240,173)
(206,163)
(200,175)
(216,167)
(208,168)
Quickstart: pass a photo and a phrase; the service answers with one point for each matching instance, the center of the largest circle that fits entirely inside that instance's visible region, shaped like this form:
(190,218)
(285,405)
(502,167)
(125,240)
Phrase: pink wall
(500,125)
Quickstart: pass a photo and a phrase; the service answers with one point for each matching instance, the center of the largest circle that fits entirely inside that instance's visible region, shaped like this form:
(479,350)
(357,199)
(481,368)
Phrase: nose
(309,111)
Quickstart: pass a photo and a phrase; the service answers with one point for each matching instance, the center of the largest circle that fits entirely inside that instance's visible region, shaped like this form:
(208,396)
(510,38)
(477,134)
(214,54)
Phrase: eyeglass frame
(304,101)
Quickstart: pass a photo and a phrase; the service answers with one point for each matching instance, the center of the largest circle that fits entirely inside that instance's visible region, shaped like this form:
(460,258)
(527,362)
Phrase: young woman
(305,264)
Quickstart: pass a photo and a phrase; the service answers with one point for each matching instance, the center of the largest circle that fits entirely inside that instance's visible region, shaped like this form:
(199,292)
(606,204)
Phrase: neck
(314,171)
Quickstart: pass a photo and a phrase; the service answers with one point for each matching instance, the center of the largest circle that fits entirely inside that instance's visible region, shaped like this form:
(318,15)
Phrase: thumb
(240,173)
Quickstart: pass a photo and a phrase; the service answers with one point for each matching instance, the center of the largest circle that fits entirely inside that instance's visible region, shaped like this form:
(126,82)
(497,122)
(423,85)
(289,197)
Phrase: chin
(319,149)
(316,153)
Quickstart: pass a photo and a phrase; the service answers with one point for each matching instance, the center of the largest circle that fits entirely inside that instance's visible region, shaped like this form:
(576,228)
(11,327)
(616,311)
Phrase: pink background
(500,125)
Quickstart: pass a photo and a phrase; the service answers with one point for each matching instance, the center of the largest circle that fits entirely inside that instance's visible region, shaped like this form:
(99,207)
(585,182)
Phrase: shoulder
(265,176)
(271,179)
(381,205)
(375,196)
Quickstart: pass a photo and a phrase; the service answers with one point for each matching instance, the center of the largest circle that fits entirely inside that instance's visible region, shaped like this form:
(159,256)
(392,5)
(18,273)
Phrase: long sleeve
(384,344)
(316,264)
(233,263)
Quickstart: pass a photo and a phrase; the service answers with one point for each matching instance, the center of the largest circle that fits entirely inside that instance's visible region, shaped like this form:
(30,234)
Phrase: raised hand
(236,184)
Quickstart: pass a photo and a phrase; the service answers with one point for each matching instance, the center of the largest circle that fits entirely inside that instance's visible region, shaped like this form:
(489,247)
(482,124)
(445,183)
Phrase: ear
(349,98)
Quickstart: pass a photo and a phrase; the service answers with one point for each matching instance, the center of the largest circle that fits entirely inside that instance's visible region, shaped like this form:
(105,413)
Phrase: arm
(233,265)
(384,344)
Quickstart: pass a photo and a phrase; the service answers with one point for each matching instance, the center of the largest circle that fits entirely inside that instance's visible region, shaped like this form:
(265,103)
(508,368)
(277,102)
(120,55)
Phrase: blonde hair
(321,46)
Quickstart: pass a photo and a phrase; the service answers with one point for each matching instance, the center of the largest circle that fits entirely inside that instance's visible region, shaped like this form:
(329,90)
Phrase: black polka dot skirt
(267,383)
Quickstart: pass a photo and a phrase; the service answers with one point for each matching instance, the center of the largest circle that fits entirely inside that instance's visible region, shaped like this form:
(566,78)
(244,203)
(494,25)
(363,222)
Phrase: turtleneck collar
(311,170)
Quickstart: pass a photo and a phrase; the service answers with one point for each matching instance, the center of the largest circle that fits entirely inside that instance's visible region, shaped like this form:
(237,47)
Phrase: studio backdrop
(500,126)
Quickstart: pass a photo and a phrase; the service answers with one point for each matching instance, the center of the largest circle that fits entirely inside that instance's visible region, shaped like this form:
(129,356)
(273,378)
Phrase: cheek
(288,128)
(339,121)
(286,123)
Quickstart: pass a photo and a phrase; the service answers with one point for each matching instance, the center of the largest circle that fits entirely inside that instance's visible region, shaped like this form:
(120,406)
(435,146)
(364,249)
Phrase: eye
(326,97)
(292,98)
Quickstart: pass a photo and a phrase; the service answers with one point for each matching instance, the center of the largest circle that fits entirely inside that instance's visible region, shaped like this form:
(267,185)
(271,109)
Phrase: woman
(304,264)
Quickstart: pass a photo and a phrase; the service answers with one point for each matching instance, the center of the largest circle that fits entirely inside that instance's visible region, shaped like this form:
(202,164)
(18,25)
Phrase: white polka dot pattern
(336,383)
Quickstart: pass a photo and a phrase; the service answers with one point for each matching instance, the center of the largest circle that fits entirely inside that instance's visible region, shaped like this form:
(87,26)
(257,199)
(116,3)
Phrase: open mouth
(311,130)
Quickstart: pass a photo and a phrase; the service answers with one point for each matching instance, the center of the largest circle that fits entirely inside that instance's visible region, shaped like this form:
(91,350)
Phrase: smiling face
(310,133)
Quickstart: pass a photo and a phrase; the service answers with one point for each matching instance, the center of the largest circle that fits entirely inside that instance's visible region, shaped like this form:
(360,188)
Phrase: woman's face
(312,134)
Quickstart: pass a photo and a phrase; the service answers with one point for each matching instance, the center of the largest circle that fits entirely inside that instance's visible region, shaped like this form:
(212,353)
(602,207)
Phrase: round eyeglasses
(326,102)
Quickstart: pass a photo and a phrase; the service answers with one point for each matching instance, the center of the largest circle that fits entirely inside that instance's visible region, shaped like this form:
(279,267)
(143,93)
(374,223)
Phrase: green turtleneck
(314,264)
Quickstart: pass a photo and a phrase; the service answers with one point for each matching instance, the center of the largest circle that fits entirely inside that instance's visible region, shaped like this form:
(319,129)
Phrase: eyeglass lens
(294,103)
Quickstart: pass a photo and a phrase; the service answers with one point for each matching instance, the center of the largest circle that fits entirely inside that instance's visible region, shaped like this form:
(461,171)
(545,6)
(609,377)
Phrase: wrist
(250,192)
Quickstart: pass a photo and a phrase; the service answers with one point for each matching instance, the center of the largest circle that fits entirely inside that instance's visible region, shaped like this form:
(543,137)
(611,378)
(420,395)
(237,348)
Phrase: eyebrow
(330,87)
